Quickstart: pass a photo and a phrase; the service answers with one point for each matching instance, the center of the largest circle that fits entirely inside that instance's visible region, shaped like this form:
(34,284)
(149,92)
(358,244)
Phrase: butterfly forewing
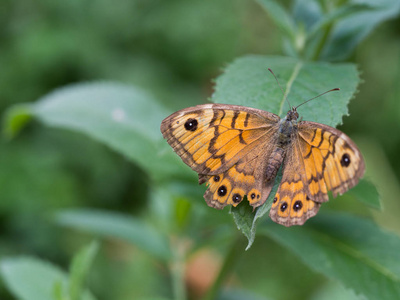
(224,142)
(330,158)
(211,138)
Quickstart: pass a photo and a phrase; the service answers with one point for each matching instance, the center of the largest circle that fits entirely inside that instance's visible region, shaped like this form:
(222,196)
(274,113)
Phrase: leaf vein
(289,84)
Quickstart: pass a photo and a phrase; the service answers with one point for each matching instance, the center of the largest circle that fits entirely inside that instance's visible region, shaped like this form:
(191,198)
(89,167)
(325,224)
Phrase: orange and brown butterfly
(237,151)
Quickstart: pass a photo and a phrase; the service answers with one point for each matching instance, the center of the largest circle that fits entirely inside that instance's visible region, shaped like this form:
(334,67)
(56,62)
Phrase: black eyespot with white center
(236,198)
(191,124)
(253,196)
(275,199)
(297,205)
(216,178)
(283,206)
(345,161)
(222,191)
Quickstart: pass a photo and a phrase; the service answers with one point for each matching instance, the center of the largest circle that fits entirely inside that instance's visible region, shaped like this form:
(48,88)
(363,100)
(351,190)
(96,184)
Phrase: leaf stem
(236,248)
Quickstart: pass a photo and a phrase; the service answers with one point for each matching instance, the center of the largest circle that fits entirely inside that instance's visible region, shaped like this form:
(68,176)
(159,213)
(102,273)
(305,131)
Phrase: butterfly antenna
(335,89)
(280,88)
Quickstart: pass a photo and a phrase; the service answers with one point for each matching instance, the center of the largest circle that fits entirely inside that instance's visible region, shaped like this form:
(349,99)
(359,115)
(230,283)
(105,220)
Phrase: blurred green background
(174,49)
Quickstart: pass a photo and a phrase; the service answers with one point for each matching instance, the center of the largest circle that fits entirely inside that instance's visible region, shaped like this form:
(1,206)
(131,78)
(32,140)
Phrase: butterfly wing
(322,159)
(245,178)
(330,158)
(292,204)
(225,144)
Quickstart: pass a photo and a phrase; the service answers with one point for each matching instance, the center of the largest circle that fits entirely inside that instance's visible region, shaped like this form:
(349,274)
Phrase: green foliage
(15,119)
(34,279)
(80,268)
(337,245)
(99,166)
(236,294)
(247,82)
(280,17)
(367,193)
(30,278)
(113,225)
(328,30)
(115,115)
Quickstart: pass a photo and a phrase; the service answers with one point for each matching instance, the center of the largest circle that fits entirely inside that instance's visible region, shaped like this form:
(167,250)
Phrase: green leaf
(183,208)
(279,16)
(58,293)
(123,117)
(366,192)
(243,215)
(15,118)
(239,294)
(333,290)
(80,268)
(246,219)
(115,225)
(350,31)
(247,82)
(153,298)
(33,279)
(334,31)
(347,248)
(336,15)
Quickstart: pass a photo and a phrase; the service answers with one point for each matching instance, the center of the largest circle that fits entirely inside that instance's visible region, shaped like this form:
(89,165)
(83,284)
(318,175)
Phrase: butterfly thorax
(287,127)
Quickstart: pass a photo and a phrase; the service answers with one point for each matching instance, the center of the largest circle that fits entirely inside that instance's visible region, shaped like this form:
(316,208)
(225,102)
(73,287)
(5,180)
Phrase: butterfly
(237,151)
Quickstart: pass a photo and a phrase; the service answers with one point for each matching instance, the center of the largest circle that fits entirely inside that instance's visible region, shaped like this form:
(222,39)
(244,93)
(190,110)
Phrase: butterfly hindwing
(230,187)
(245,178)
(292,204)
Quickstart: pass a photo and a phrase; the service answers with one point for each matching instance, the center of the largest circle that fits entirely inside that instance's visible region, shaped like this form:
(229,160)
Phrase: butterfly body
(237,151)
(287,128)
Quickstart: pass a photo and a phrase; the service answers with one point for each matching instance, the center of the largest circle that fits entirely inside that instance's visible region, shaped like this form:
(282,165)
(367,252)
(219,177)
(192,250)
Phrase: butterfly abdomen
(274,163)
(284,138)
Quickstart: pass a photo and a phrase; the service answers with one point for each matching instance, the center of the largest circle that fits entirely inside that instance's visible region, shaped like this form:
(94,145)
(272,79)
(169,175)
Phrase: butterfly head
(292,115)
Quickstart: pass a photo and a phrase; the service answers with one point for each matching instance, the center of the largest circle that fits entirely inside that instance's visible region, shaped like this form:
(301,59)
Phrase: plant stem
(327,33)
(230,260)
(177,269)
(322,42)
